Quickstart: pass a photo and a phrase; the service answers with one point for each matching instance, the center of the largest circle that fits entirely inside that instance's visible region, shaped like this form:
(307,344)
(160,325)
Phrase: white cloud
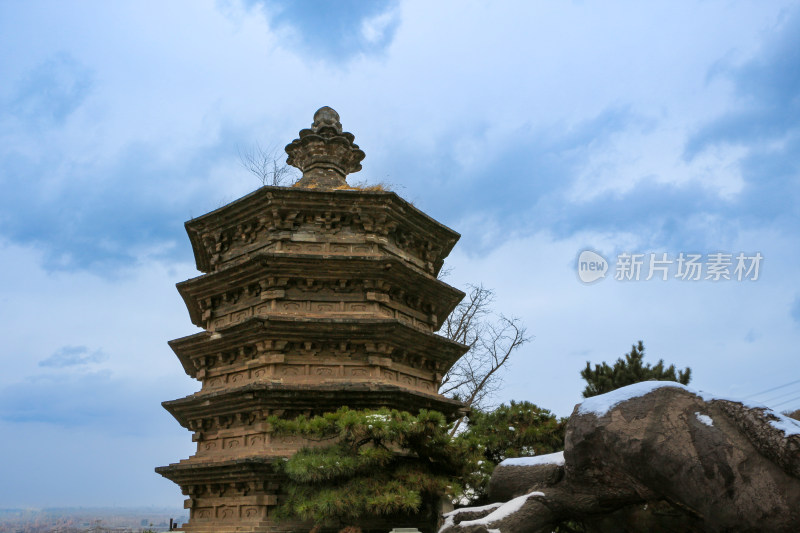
(130,318)
(73,356)
(373,29)
(625,159)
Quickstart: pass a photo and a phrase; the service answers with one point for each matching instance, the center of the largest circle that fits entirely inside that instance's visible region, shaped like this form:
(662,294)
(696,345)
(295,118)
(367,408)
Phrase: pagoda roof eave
(377,330)
(307,398)
(190,472)
(258,201)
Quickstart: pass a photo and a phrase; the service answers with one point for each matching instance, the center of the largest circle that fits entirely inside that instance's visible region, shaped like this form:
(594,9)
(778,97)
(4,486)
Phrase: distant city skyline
(83,519)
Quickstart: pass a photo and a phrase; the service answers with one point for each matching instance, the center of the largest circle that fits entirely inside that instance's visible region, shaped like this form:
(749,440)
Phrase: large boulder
(654,456)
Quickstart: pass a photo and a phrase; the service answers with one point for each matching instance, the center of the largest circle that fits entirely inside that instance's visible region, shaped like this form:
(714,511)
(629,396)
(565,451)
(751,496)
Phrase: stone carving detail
(251,512)
(324,371)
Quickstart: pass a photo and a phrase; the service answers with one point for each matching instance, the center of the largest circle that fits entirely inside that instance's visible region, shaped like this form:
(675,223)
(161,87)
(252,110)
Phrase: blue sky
(535,129)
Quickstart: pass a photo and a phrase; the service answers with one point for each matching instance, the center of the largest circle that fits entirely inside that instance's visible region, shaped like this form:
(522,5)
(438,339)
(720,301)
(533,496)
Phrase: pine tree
(378,462)
(520,429)
(604,378)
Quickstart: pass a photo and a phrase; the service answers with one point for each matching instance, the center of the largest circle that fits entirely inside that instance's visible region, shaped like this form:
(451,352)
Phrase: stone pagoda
(312,297)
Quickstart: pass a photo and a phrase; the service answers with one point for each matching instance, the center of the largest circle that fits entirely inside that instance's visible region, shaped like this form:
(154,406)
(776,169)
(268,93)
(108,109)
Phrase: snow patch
(705,419)
(548,459)
(505,510)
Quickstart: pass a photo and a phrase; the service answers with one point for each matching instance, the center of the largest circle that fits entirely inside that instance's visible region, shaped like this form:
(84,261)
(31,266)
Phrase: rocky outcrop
(655,456)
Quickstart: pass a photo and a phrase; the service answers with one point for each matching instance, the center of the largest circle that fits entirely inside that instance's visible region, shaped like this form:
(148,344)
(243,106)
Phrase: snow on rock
(705,419)
(548,459)
(789,426)
(449,517)
(473,509)
(601,404)
(508,508)
(707,396)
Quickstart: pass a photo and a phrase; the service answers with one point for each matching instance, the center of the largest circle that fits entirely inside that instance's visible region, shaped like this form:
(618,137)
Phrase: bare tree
(266,165)
(492,339)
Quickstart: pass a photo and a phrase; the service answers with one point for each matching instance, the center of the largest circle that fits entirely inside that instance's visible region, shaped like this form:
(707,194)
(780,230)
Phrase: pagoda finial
(324,154)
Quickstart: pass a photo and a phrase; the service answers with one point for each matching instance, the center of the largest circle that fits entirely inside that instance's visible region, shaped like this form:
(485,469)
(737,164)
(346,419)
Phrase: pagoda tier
(233,423)
(279,284)
(321,222)
(299,350)
(229,496)
(313,297)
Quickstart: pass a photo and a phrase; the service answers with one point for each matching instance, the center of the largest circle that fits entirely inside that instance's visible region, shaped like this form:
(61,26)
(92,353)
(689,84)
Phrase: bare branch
(475,377)
(266,165)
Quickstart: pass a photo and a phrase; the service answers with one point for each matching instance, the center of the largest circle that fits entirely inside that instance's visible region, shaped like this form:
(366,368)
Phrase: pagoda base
(242,495)
(379,525)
